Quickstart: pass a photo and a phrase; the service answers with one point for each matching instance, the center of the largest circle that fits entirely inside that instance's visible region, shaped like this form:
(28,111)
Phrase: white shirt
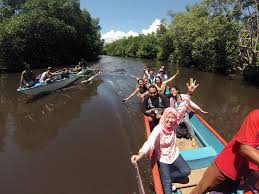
(44,76)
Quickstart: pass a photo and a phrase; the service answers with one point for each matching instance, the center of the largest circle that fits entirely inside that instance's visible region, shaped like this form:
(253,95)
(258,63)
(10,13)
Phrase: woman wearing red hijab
(239,158)
(163,141)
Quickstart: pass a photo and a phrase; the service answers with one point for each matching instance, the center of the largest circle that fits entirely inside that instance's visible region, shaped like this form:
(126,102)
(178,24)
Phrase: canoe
(208,145)
(59,83)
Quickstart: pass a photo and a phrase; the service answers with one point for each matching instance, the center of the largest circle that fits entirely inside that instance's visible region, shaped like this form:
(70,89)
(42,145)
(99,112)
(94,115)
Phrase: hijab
(162,121)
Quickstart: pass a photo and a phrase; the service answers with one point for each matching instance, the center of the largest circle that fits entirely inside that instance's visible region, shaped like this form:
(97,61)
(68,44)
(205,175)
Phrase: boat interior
(198,157)
(186,185)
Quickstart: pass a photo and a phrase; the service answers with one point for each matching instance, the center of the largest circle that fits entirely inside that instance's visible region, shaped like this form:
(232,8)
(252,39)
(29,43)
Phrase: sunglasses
(152,93)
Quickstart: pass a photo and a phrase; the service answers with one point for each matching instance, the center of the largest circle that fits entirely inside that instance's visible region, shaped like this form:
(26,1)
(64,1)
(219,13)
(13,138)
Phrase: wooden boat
(58,83)
(208,145)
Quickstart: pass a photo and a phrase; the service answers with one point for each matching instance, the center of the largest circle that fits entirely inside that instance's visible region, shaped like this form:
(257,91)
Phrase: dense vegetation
(216,36)
(46,32)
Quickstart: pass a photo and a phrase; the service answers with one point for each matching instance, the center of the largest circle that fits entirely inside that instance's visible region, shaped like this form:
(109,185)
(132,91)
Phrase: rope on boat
(140,183)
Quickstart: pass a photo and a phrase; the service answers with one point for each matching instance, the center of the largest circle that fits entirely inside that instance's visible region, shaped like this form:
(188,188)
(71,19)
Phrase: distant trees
(216,36)
(141,47)
(246,13)
(205,41)
(46,32)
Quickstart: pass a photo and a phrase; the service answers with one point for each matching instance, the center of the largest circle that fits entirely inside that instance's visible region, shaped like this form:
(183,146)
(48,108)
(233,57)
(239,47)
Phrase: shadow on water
(32,99)
(38,119)
(2,130)
(37,97)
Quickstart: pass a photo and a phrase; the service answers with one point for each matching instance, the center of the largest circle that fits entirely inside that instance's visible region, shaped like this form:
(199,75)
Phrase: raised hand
(202,111)
(191,86)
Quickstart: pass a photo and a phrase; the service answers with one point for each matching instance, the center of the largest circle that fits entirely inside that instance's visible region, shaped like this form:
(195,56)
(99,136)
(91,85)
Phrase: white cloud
(152,28)
(112,35)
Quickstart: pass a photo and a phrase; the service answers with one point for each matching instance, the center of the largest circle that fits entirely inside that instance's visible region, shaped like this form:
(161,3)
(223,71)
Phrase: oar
(88,80)
(140,183)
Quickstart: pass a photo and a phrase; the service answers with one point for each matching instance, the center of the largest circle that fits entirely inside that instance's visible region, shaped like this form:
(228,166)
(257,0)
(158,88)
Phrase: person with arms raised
(161,85)
(141,91)
(175,99)
(162,141)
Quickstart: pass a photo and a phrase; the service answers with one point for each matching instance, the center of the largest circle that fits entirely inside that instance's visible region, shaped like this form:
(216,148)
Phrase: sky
(123,18)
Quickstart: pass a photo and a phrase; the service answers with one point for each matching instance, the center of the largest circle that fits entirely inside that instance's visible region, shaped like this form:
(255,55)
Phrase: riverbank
(249,75)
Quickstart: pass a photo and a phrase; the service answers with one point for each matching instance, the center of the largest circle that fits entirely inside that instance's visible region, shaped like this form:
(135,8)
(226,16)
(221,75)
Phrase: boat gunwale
(155,172)
(77,75)
(70,80)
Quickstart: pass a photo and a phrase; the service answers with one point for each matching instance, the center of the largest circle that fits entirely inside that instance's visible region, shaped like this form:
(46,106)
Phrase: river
(79,140)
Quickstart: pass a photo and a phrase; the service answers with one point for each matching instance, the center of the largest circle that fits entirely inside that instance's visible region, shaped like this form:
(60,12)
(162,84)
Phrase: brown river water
(79,140)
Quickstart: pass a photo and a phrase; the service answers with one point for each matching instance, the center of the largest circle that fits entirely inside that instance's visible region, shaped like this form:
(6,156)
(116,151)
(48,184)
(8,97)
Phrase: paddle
(138,177)
(88,80)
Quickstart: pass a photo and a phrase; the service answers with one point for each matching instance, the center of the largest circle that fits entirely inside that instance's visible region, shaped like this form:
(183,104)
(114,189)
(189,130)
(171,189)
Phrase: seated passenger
(65,73)
(141,91)
(27,77)
(162,141)
(78,68)
(174,91)
(145,79)
(175,100)
(162,74)
(146,82)
(161,85)
(154,105)
(85,63)
(150,75)
(47,75)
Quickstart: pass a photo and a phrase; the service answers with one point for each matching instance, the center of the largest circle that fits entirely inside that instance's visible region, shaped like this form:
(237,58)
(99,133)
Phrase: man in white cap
(162,74)
(46,76)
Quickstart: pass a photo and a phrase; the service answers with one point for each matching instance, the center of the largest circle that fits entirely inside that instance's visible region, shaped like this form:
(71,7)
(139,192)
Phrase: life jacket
(167,91)
(152,79)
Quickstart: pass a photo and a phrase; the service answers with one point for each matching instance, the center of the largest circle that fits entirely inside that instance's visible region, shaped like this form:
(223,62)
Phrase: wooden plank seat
(199,157)
(196,157)
(185,144)
(192,180)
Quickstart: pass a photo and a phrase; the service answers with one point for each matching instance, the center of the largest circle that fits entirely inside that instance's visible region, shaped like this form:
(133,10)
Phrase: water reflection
(72,137)
(2,129)
(36,124)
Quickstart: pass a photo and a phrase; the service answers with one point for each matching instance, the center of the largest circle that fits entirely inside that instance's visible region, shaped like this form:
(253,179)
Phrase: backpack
(182,132)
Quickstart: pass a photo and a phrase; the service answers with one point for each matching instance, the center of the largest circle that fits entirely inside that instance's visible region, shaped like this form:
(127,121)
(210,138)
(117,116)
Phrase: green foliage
(9,8)
(48,32)
(244,12)
(194,38)
(141,47)
(204,41)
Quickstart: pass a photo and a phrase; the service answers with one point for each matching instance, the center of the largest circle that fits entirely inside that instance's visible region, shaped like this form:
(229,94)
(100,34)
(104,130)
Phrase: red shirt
(229,161)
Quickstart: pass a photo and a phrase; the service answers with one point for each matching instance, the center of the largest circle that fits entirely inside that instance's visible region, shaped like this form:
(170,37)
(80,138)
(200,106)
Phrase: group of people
(28,79)
(156,95)
(239,159)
